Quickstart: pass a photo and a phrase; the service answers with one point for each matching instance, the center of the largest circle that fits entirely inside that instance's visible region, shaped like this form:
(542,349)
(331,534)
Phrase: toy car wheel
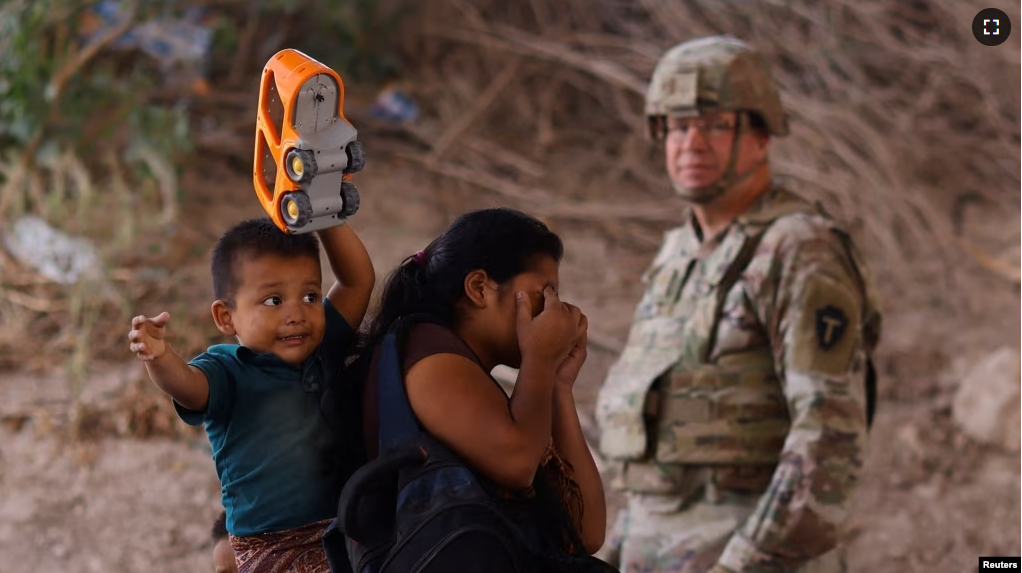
(356,153)
(296,207)
(300,165)
(351,199)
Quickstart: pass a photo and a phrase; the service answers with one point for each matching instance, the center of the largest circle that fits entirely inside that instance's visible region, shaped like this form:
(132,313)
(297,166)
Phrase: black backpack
(418,508)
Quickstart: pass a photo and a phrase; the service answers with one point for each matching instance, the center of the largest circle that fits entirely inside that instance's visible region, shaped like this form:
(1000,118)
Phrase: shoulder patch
(831,324)
(826,328)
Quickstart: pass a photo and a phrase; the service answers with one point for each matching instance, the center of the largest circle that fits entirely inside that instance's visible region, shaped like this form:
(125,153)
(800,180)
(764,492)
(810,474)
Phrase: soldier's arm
(814,326)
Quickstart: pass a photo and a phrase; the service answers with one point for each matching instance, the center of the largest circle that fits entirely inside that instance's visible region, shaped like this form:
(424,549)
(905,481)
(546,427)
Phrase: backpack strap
(731,276)
(397,421)
(365,509)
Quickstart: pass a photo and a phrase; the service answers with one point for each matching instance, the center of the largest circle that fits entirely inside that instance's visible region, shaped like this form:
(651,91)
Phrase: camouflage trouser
(661,534)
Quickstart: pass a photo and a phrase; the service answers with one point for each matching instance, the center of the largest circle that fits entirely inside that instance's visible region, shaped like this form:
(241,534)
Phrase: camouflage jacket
(804,300)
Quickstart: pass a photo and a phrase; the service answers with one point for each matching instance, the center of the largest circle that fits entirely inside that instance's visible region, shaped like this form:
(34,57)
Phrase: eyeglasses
(711,126)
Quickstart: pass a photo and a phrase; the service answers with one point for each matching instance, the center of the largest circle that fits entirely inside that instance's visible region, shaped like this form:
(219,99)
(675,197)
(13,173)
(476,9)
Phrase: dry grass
(118,192)
(117,215)
(901,120)
(44,323)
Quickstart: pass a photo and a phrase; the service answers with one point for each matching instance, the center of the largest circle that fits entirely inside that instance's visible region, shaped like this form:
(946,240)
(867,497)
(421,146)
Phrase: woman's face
(502,316)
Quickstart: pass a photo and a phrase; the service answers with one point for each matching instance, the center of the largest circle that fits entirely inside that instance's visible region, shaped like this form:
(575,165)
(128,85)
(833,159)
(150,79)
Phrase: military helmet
(718,73)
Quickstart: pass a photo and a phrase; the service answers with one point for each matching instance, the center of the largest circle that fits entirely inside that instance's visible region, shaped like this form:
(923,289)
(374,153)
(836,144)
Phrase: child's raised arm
(353,270)
(186,384)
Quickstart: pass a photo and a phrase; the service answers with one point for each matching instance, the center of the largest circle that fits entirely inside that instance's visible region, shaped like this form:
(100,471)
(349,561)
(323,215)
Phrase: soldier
(736,417)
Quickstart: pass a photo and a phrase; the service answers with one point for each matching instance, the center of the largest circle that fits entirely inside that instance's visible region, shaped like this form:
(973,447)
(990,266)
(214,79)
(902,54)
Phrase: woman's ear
(476,284)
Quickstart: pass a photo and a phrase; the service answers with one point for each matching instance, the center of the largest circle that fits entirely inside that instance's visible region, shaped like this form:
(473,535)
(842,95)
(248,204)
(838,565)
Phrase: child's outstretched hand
(146,336)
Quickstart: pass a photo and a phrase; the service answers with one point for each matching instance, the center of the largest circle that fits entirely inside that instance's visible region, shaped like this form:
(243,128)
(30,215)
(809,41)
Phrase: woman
(492,280)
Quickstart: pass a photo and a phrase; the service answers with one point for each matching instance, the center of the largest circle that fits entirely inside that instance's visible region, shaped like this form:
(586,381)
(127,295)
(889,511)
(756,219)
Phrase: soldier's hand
(551,334)
(146,336)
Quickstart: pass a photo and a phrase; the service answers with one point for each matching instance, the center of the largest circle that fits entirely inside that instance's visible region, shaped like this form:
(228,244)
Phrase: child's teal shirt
(275,454)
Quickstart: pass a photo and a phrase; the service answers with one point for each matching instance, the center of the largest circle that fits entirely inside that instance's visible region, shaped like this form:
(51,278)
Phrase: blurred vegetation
(95,136)
(353,37)
(60,93)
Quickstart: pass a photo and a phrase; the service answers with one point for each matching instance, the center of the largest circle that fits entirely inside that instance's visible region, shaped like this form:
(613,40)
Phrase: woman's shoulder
(426,339)
(421,329)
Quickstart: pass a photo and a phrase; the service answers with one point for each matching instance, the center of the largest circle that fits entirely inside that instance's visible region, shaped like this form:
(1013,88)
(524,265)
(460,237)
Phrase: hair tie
(420,258)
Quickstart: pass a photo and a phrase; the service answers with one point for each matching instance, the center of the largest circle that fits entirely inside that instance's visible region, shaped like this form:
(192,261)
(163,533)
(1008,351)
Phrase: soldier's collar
(778,201)
(775,203)
(763,210)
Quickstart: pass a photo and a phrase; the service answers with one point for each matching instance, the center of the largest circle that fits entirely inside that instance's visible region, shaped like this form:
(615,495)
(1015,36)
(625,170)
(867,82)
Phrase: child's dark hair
(254,238)
(503,242)
(219,527)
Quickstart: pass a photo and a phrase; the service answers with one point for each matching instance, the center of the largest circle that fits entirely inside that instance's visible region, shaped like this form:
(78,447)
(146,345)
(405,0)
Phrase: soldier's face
(698,149)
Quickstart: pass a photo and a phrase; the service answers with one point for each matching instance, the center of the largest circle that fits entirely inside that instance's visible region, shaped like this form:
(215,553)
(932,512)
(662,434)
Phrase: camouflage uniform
(735,416)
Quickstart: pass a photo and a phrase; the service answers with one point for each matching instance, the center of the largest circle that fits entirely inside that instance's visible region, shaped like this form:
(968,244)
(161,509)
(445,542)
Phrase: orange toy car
(305,150)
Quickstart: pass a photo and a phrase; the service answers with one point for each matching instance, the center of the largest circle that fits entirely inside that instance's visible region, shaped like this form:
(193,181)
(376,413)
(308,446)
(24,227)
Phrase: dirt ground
(931,500)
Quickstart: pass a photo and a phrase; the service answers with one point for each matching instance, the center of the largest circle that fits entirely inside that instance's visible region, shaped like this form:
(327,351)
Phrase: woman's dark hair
(503,242)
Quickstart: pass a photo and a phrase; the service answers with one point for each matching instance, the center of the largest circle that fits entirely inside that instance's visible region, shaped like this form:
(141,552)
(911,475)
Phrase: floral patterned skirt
(298,550)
